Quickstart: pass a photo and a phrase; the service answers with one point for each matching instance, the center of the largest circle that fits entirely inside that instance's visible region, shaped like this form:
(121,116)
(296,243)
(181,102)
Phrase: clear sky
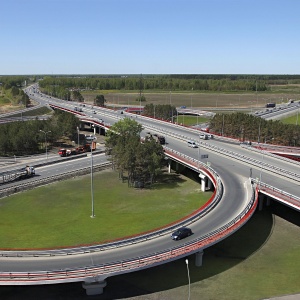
(149,37)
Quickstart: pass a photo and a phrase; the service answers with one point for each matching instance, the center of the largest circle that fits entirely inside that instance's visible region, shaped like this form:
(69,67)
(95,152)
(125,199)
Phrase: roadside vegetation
(247,127)
(26,138)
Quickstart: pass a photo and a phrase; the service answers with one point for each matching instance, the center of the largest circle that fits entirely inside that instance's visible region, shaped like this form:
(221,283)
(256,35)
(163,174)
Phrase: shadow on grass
(216,259)
(168,181)
(284,212)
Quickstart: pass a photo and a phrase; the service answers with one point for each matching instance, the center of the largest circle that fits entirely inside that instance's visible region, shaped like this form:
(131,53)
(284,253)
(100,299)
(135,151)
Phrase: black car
(181,233)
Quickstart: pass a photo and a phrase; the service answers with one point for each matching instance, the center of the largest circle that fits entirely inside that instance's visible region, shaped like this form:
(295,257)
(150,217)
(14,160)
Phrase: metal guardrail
(278,194)
(29,183)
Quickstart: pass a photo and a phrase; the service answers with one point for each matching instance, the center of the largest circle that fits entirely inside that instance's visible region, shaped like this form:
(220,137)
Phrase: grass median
(58,215)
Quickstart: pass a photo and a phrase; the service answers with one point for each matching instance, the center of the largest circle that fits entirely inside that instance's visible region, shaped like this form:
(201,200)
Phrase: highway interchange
(234,174)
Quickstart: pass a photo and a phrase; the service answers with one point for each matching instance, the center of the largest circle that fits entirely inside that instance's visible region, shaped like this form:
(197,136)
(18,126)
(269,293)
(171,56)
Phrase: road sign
(204,156)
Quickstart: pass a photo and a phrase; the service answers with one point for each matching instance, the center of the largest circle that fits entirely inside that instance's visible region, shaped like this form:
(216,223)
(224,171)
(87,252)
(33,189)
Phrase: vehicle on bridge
(158,138)
(181,233)
(192,144)
(270,105)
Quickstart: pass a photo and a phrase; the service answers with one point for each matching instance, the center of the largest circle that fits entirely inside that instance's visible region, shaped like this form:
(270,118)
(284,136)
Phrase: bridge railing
(277,194)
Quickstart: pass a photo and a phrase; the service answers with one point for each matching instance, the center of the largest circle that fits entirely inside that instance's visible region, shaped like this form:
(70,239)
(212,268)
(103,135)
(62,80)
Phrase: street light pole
(188,271)
(92,181)
(45,132)
(77,136)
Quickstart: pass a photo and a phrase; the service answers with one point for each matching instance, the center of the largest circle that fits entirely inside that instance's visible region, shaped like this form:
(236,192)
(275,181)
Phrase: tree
(141,98)
(142,161)
(25,99)
(99,100)
(76,96)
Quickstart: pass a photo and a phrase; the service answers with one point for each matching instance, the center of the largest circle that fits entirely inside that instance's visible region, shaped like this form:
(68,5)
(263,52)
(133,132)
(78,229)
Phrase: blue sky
(149,37)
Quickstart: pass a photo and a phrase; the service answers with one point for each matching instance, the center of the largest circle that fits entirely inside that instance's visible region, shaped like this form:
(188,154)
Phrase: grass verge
(58,215)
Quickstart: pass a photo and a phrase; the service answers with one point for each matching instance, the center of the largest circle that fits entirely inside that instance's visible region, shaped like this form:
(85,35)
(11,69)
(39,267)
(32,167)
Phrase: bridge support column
(199,258)
(268,201)
(209,184)
(94,287)
(169,165)
(203,182)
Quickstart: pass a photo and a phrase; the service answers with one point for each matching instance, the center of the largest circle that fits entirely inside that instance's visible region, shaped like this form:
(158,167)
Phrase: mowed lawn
(58,215)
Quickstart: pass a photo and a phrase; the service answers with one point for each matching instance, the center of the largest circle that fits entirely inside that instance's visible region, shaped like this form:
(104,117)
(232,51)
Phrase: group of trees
(141,161)
(26,137)
(14,95)
(248,127)
(160,111)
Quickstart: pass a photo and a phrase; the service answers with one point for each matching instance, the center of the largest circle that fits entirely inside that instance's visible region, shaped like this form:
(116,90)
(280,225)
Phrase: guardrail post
(199,258)
(94,287)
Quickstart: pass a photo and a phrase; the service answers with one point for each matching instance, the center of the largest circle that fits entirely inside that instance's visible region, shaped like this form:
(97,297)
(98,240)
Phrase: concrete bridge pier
(102,131)
(94,286)
(169,165)
(203,182)
(199,258)
(209,184)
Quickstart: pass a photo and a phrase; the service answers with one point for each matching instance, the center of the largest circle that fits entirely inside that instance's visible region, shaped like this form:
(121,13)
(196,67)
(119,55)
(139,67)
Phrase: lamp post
(92,179)
(46,132)
(77,136)
(187,266)
(261,167)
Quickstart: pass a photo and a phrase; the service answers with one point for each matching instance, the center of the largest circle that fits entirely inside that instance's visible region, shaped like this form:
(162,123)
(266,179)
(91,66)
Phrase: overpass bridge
(231,206)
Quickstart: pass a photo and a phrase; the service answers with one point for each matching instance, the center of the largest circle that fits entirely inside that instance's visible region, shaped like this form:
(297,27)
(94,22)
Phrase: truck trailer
(18,174)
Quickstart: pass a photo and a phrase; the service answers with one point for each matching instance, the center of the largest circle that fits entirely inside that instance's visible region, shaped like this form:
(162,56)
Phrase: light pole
(92,179)
(45,132)
(77,136)
(188,271)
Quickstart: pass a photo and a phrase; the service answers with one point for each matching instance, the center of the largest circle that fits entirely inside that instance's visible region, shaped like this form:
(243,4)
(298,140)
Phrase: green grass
(59,214)
(294,120)
(190,120)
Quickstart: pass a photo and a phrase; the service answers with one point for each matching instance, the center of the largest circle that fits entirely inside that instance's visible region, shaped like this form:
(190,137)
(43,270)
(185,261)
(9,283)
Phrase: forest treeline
(61,85)
(247,127)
